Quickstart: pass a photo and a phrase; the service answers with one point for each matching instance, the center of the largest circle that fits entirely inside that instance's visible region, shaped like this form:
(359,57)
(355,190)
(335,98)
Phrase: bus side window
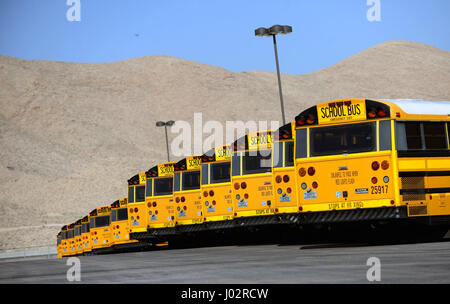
(289,154)
(205,174)
(149,188)
(278,155)
(92,224)
(385,135)
(236,164)
(176,182)
(131,194)
(300,144)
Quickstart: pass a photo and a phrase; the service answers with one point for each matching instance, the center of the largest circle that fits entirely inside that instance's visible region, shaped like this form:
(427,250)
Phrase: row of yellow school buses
(349,160)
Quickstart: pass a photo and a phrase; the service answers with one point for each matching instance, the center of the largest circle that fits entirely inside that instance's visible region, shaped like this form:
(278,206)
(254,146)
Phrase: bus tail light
(182,199)
(278,179)
(177,199)
(311,171)
(205,193)
(214,202)
(211,193)
(184,207)
(310,120)
(156,212)
(246,195)
(136,210)
(300,122)
(149,204)
(236,186)
(374,180)
(131,210)
(288,190)
(154,204)
(302,172)
(385,165)
(118,227)
(315,185)
(381,113)
(372,113)
(286,178)
(243,185)
(375,165)
(137,217)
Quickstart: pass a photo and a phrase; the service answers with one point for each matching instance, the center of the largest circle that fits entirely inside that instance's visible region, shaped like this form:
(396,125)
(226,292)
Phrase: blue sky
(216,32)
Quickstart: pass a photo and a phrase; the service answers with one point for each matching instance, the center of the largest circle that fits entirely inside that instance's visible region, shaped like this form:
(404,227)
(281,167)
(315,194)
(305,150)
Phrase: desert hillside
(71,134)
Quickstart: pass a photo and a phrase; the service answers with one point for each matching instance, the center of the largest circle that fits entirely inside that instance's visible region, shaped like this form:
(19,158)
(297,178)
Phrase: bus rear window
(163,186)
(102,221)
(353,138)
(220,173)
(191,180)
(259,163)
(122,214)
(140,194)
(289,154)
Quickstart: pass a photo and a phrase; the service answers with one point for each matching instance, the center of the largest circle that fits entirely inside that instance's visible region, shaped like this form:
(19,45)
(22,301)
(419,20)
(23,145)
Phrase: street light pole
(165,125)
(273,31)
(279,78)
(167,143)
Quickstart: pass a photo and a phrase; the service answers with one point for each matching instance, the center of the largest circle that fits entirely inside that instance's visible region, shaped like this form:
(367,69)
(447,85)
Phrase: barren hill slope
(71,134)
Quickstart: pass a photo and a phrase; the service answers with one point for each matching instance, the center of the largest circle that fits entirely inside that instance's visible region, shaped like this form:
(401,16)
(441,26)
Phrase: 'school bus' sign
(342,111)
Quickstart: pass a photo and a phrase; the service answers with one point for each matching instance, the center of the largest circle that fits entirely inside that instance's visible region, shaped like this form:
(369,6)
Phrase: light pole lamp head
(273,30)
(170,123)
(160,124)
(261,32)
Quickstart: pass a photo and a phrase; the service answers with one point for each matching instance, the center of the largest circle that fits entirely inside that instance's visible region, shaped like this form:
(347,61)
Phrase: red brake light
(300,122)
(131,210)
(372,113)
(156,212)
(136,209)
(286,178)
(374,180)
(382,113)
(213,202)
(311,171)
(246,196)
(278,179)
(182,199)
(149,204)
(236,186)
(177,199)
(211,193)
(243,185)
(375,165)
(315,185)
(205,193)
(184,207)
(154,204)
(288,190)
(385,165)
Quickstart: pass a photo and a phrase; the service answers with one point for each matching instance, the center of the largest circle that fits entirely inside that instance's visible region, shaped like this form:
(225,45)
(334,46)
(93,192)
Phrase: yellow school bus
(138,213)
(64,241)
(251,175)
(187,191)
(70,241)
(381,158)
(101,236)
(77,237)
(119,223)
(159,196)
(216,184)
(59,249)
(86,235)
(284,175)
